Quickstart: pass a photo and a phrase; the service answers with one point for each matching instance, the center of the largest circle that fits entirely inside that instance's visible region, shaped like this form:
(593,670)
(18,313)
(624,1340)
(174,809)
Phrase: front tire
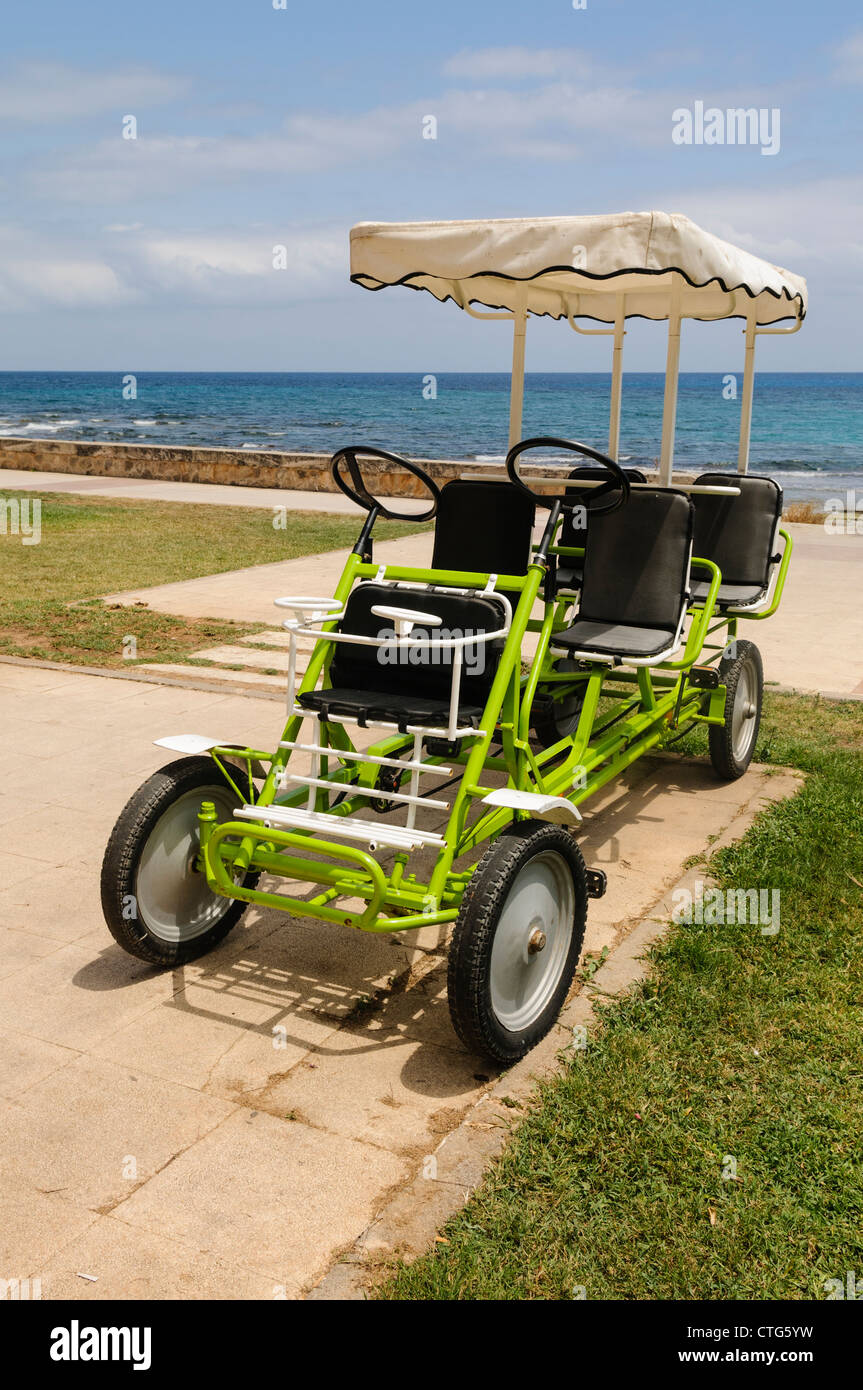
(732,744)
(517,940)
(157,905)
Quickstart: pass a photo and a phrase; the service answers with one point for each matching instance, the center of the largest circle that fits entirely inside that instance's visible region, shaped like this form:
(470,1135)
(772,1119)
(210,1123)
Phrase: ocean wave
(50,426)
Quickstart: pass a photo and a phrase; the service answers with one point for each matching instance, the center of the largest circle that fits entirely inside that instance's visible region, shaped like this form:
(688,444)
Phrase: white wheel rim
(744,711)
(173,899)
(522,979)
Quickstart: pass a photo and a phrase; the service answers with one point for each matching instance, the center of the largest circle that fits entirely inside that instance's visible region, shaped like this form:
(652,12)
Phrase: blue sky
(259,126)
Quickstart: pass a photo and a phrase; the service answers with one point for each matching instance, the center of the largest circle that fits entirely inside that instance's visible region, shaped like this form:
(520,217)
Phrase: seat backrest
(417,671)
(483,527)
(570,534)
(636,561)
(738,533)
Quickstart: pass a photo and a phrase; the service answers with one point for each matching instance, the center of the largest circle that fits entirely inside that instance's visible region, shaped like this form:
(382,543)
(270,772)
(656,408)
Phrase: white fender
(189,743)
(552,808)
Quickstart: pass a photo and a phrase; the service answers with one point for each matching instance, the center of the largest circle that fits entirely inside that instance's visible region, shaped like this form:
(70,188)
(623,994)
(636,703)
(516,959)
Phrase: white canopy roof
(574,267)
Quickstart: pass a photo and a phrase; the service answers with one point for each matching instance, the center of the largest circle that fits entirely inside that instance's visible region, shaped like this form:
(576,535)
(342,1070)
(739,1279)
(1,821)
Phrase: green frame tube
(655,701)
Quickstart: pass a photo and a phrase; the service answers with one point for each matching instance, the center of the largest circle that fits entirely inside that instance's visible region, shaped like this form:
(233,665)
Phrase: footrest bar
(372,833)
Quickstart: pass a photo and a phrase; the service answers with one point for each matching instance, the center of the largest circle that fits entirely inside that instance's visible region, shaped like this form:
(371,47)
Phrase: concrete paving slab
(348,1033)
(17,868)
(25,1061)
(77,995)
(34,1225)
(97,1152)
(249,657)
(127,1262)
(19,948)
(286,1197)
(219,676)
(398,1093)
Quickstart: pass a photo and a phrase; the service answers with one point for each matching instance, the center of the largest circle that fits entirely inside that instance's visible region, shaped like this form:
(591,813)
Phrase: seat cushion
(614,639)
(729,595)
(340,701)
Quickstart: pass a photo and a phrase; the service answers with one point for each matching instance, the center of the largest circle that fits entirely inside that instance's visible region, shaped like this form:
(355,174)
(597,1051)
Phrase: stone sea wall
(238,467)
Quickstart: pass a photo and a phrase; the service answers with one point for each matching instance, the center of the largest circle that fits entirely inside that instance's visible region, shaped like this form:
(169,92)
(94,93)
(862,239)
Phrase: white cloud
(67,282)
(550,120)
(45,92)
(553,121)
(231,266)
(486,64)
(117,169)
(176,268)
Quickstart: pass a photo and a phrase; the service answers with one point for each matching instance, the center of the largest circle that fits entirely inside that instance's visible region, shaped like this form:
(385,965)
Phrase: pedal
(597,882)
(703,677)
(389,780)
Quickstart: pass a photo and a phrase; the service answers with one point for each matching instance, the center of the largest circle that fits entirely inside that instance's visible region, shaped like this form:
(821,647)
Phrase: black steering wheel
(615,491)
(360,494)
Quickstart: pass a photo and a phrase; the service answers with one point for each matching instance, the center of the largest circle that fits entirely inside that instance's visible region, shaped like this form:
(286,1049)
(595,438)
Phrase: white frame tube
(672,370)
(618,332)
(750,331)
(516,389)
(616,379)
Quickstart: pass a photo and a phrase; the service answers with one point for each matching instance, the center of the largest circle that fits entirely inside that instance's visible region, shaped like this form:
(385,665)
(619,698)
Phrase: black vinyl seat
(738,534)
(634,593)
(570,569)
(481,527)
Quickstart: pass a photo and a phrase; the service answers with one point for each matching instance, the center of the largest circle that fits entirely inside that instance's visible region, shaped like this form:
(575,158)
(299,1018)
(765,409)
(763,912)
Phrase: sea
(807,429)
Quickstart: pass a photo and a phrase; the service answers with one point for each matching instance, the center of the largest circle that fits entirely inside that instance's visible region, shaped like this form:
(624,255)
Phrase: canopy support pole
(672,369)
(746,398)
(618,332)
(516,394)
(616,379)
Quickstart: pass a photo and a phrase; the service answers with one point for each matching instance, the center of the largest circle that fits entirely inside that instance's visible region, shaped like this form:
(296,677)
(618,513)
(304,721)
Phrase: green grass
(92,546)
(738,1045)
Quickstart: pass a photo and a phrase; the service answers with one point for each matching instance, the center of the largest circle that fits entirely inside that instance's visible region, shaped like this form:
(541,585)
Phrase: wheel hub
(536,941)
(532,940)
(173,897)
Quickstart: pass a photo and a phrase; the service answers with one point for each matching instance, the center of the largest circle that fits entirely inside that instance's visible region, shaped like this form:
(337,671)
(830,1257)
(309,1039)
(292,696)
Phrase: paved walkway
(814,642)
(227,1129)
(148,489)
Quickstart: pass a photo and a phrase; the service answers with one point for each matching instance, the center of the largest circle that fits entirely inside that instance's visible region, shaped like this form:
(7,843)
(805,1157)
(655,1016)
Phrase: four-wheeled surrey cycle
(452,719)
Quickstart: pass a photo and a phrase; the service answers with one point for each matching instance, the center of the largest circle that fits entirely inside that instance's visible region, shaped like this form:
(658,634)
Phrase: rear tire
(517,940)
(158,907)
(732,744)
